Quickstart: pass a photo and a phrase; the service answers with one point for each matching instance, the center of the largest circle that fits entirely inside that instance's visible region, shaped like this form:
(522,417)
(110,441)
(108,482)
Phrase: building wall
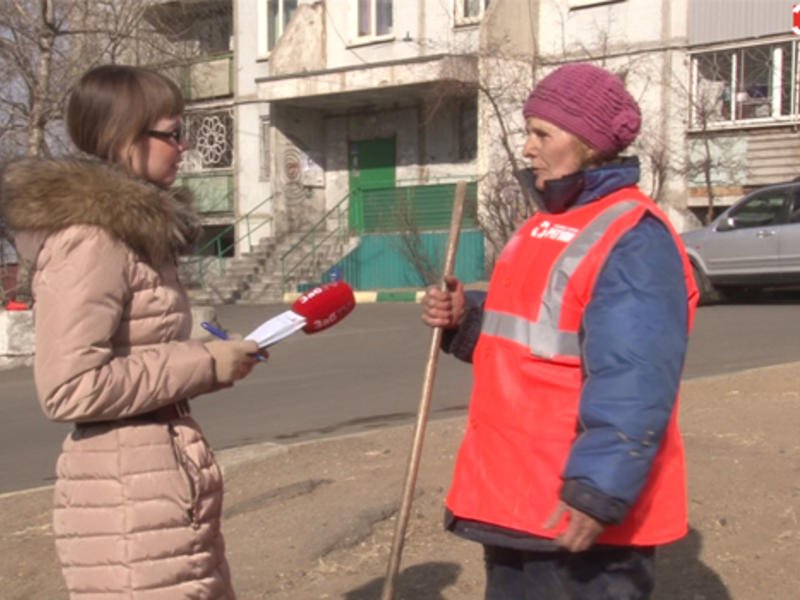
(720,21)
(627,27)
(253,186)
(776,154)
(298,155)
(741,162)
(427,146)
(654,48)
(745,115)
(650,42)
(351,99)
(645,41)
(303,43)
(421,27)
(400,124)
(748,150)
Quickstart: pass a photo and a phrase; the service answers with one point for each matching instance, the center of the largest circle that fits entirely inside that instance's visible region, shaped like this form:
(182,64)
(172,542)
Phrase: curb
(367,297)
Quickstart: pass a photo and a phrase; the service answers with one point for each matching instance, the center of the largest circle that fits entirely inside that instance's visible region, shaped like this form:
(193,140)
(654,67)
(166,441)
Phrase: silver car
(754,244)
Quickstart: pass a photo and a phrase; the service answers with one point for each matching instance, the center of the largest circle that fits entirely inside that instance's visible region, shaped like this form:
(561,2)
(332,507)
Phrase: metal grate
(420,208)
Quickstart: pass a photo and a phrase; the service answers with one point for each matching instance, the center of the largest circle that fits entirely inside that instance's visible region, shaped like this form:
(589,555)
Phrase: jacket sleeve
(634,337)
(81,290)
(461,342)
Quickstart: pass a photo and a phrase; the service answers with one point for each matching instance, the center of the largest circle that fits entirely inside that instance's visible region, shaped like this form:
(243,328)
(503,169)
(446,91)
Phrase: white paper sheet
(277,328)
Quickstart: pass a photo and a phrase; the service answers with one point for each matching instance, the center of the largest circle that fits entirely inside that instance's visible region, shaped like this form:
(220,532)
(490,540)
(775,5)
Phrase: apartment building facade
(742,131)
(329,102)
(353,101)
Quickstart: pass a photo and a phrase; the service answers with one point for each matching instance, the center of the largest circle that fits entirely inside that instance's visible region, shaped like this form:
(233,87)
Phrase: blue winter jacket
(633,340)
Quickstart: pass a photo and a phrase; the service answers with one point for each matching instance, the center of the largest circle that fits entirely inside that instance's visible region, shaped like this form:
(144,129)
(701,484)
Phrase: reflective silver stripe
(535,336)
(543,337)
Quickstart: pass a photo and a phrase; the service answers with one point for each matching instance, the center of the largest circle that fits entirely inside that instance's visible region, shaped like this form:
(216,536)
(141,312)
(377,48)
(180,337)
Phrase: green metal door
(372,166)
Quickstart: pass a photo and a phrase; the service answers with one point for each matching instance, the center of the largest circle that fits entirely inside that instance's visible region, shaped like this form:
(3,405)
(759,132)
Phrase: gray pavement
(363,374)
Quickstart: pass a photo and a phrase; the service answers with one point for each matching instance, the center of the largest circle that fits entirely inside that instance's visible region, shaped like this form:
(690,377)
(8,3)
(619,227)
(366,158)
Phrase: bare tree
(45,45)
(411,246)
(658,160)
(710,155)
(503,82)
(39,62)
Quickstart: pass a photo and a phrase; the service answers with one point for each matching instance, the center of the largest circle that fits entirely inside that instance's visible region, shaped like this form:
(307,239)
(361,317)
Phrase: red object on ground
(14,305)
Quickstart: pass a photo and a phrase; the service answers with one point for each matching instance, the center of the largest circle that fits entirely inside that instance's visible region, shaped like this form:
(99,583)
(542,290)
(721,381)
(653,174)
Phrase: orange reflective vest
(523,414)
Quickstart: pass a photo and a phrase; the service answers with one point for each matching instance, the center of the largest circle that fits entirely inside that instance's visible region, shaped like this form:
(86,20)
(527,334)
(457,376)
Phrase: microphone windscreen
(325,305)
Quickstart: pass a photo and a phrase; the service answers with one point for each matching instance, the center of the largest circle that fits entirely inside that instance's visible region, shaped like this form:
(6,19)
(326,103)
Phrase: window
(278,14)
(211,135)
(794,211)
(374,18)
(742,84)
(273,16)
(225,243)
(467,129)
(766,208)
(469,11)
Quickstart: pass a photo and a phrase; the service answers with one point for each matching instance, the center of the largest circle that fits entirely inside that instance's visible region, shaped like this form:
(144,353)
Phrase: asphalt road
(365,373)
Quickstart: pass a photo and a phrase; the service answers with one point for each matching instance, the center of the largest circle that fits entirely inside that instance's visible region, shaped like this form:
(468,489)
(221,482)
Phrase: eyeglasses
(177,135)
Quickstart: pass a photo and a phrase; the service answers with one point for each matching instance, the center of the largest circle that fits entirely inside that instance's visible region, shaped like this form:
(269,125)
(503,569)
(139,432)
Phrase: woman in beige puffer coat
(138,497)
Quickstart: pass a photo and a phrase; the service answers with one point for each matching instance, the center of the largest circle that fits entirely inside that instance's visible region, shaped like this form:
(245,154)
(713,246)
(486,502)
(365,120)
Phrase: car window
(769,207)
(794,213)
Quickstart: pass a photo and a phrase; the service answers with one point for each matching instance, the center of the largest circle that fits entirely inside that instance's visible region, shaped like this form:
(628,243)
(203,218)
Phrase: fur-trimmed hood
(41,196)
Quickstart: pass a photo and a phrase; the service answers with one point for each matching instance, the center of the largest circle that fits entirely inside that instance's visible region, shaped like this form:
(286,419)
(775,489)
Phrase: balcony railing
(213,191)
(204,77)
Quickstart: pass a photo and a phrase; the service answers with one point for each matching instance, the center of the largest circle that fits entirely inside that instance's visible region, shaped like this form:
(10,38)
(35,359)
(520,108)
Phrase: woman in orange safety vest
(571,470)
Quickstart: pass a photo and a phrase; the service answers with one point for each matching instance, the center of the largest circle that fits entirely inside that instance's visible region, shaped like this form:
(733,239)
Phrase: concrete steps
(254,277)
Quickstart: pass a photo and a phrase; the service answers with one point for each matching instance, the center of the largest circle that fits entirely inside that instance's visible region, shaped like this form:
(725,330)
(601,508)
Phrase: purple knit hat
(588,102)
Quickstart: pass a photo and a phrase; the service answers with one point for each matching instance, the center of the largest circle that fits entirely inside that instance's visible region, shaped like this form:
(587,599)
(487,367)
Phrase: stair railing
(211,255)
(317,235)
(298,257)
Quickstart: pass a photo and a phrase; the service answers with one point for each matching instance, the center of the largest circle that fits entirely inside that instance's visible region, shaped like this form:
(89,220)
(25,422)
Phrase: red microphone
(325,305)
(317,309)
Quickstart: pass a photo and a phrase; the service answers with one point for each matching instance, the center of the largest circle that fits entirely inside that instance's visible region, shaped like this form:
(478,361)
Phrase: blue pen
(217,332)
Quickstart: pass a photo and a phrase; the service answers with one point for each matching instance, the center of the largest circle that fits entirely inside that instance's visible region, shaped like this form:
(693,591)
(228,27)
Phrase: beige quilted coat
(137,504)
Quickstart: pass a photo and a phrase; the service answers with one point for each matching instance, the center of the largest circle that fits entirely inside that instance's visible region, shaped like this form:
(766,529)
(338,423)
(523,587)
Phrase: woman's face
(552,152)
(156,155)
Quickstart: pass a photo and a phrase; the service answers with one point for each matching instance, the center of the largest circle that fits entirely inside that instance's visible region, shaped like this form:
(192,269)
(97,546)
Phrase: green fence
(212,191)
(421,207)
(379,261)
(403,237)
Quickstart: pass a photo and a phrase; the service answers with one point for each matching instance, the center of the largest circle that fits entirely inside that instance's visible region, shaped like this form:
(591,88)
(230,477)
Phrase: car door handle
(764,233)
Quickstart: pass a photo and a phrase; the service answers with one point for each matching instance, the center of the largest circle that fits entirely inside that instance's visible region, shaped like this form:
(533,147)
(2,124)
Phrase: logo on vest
(559,233)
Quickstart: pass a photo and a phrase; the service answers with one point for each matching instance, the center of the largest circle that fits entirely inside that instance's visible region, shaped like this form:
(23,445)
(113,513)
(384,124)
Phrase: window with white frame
(469,11)
(744,84)
(374,18)
(273,16)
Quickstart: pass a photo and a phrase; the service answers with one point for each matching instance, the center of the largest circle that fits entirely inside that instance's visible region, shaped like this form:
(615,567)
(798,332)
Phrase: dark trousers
(601,573)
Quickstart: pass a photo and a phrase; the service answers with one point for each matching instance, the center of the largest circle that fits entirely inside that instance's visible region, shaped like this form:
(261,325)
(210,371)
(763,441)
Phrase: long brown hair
(113,105)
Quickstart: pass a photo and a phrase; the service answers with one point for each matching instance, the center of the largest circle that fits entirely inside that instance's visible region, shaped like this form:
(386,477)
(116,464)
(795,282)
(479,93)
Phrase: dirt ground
(316,520)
